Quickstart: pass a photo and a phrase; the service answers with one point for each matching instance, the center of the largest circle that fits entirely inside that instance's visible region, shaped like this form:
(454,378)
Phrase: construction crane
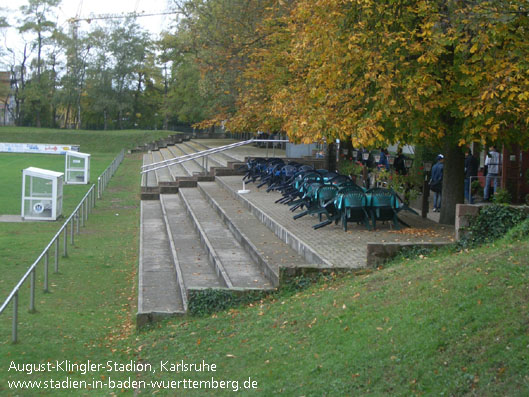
(134,14)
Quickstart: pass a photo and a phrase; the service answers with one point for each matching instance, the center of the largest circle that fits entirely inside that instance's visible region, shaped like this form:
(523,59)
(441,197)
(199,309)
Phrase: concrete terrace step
(166,181)
(224,157)
(191,166)
(159,292)
(176,170)
(236,267)
(215,160)
(192,259)
(240,153)
(274,256)
(149,178)
(205,162)
(163,174)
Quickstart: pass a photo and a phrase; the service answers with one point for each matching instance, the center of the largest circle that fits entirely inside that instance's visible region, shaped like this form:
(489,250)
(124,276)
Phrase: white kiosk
(77,168)
(41,194)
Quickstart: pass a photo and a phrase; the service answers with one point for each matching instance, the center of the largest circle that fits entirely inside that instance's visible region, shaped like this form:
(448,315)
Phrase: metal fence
(104,178)
(69,228)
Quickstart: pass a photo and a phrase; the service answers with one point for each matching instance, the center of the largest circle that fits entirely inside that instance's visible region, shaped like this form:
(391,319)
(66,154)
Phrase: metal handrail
(203,153)
(79,215)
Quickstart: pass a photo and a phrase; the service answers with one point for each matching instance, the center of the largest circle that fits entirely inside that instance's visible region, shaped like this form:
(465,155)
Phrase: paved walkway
(339,248)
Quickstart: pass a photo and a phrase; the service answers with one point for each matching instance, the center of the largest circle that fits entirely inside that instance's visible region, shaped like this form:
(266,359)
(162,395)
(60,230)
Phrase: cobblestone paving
(341,249)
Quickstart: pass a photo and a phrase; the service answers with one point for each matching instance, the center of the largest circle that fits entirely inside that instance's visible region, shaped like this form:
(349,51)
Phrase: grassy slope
(90,141)
(453,324)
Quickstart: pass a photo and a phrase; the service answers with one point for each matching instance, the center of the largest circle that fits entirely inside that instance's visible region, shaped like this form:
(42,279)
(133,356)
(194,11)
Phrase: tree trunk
(453,182)
(331,156)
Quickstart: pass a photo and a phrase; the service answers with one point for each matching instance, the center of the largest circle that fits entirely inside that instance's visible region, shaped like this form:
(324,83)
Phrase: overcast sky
(86,9)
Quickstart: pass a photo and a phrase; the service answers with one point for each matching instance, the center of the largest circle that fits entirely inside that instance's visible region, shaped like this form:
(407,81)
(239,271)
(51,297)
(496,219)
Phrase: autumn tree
(445,73)
(218,35)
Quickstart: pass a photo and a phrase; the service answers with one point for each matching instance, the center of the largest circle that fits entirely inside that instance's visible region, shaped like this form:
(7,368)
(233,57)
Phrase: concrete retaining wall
(379,253)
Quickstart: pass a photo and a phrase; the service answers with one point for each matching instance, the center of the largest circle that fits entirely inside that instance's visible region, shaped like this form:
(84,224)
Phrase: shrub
(519,231)
(492,223)
(502,196)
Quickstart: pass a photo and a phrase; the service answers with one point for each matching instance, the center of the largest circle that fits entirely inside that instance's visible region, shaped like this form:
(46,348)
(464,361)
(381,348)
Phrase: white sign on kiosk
(77,168)
(41,194)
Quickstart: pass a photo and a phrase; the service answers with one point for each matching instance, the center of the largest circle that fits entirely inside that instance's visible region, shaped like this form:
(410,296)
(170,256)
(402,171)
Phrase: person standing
(493,162)
(436,182)
(471,170)
(383,162)
(399,163)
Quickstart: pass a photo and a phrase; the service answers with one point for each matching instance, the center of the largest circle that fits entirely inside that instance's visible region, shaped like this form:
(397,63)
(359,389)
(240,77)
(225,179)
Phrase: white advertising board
(46,148)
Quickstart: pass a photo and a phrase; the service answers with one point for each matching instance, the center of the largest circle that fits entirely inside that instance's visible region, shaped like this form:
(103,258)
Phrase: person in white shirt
(493,163)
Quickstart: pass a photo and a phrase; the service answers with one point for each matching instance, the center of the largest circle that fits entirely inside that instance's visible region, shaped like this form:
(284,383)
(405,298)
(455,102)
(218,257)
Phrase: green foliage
(502,196)
(492,223)
(518,232)
(207,301)
(350,168)
(477,188)
(414,252)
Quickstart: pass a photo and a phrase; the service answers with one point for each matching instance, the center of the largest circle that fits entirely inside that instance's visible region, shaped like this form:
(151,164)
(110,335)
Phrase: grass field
(454,323)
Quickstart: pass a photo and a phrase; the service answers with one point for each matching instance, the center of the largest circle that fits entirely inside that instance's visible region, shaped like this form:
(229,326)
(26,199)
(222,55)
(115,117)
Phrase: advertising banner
(42,148)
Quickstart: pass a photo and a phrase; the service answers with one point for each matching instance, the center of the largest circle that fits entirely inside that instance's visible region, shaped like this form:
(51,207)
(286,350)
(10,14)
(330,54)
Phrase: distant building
(7,100)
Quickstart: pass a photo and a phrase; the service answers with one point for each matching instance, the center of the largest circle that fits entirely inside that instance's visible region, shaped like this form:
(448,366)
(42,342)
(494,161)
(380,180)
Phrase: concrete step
(205,163)
(276,258)
(222,157)
(176,170)
(162,174)
(192,258)
(159,292)
(214,160)
(235,266)
(298,234)
(191,166)
(149,179)
(149,183)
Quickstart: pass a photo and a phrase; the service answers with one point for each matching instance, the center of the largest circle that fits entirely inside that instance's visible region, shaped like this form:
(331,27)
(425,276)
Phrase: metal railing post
(65,242)
(32,292)
(72,230)
(99,187)
(46,257)
(14,330)
(56,270)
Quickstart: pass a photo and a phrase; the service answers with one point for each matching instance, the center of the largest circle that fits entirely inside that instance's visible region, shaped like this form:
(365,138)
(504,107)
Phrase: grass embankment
(453,324)
(449,324)
(89,141)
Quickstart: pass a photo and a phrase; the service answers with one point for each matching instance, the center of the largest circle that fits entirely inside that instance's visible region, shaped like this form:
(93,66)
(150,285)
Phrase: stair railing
(205,153)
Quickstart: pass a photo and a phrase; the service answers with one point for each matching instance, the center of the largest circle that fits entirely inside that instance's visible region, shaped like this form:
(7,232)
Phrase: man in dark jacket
(471,170)
(436,182)
(399,163)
